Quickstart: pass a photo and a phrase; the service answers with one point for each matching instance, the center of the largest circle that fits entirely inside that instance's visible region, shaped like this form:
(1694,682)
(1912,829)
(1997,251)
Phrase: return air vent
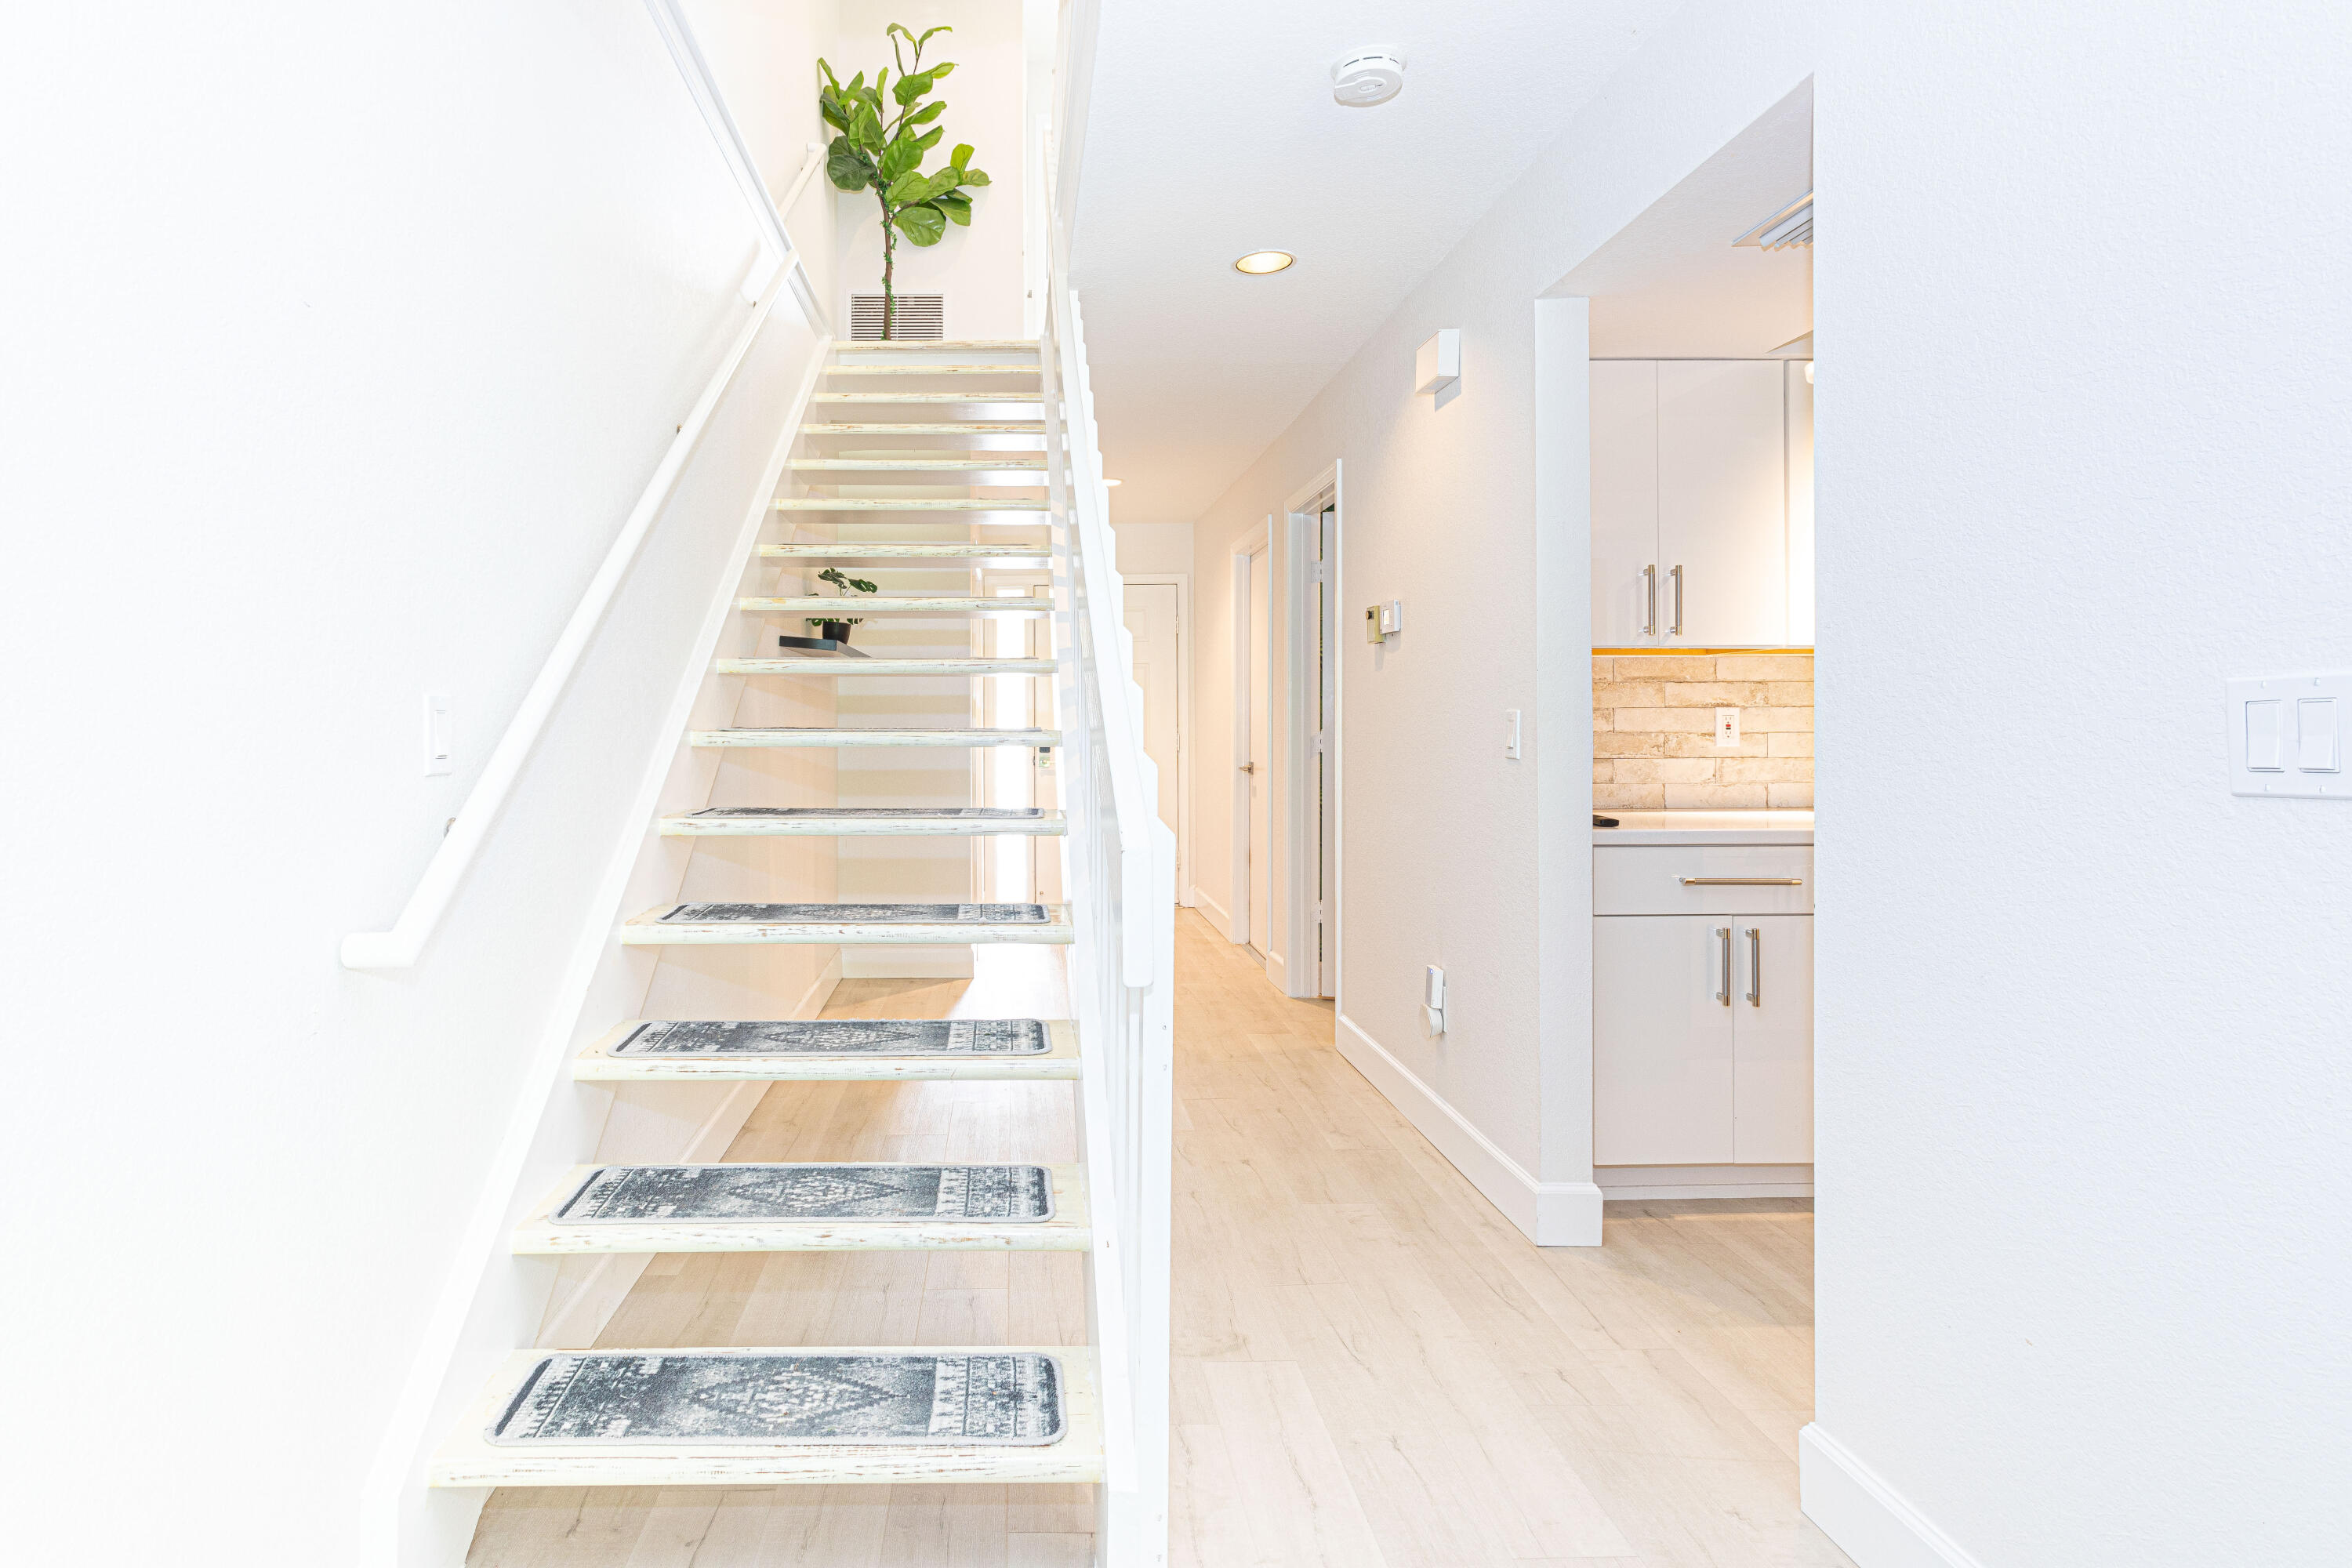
(919,318)
(1793,224)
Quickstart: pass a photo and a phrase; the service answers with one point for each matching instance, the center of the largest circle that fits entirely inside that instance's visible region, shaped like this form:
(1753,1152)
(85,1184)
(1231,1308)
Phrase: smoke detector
(1365,76)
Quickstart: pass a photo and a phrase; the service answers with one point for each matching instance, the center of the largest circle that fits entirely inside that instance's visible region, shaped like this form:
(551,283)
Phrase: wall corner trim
(1552,1214)
(1870,1521)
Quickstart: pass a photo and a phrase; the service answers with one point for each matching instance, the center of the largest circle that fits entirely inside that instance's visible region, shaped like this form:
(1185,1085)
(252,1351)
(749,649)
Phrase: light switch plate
(2287,735)
(440,741)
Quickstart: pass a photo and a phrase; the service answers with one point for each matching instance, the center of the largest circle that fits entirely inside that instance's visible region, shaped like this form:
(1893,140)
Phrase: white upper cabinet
(1702,503)
(1625,503)
(1800,505)
(1723,500)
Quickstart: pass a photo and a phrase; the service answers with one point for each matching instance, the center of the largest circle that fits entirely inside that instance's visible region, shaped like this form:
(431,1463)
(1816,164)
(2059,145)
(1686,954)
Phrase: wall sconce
(1437,363)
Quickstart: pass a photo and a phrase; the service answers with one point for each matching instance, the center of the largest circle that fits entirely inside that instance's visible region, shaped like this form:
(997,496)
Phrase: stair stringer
(491,1302)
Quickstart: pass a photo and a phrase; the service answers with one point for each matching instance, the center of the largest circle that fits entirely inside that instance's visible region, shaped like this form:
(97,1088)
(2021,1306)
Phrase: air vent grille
(919,318)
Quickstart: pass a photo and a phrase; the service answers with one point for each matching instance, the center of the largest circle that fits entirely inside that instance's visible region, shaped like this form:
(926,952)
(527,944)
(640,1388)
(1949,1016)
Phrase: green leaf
(831,80)
(928,113)
(911,88)
(974,177)
(940,70)
(847,167)
(956,205)
(932,32)
(930,139)
(963,153)
(865,130)
(900,158)
(922,224)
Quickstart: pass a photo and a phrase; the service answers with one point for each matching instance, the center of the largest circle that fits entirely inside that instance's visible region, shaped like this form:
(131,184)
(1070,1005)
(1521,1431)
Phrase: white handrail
(400,947)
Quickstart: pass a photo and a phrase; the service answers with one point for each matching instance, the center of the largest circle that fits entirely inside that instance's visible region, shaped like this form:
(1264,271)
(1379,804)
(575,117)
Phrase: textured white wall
(2082,1063)
(345,336)
(1440,508)
(1153,547)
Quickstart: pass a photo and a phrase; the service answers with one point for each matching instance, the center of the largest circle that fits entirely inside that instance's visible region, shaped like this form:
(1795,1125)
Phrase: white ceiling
(1212,132)
(1671,285)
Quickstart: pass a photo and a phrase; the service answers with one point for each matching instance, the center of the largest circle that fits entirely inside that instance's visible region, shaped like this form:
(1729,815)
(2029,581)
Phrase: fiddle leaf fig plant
(885,128)
(846,585)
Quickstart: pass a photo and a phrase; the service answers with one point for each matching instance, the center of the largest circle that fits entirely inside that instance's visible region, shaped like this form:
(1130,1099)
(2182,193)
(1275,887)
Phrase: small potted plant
(837,627)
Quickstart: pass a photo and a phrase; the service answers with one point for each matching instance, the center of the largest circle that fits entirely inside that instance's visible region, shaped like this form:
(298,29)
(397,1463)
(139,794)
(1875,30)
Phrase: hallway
(1371,1366)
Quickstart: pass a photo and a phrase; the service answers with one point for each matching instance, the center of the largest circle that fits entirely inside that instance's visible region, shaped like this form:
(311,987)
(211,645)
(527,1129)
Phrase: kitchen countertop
(1706,827)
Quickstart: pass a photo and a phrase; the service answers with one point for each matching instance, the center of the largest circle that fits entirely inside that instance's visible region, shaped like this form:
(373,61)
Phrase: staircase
(657,1415)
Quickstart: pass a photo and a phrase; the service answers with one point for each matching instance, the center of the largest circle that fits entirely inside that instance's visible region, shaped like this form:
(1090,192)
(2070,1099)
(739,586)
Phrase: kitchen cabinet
(1692,503)
(1703,1005)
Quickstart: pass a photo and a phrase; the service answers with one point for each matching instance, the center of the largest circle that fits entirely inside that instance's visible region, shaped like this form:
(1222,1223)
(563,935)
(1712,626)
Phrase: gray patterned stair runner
(736,1396)
(837,1038)
(620,1194)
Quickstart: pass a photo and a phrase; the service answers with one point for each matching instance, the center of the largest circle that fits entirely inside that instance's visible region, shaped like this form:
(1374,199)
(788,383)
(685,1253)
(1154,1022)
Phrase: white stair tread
(469,1458)
(833,824)
(936,346)
(912,503)
(845,925)
(911,605)
(1015,464)
(1065,1230)
(944,368)
(833,664)
(801,735)
(851,549)
(927,398)
(606,1061)
(934,427)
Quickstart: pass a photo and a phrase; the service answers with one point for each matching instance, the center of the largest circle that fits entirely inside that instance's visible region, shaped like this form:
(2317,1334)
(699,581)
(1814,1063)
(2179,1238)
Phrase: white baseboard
(1553,1214)
(1870,1522)
(1623,1182)
(1217,915)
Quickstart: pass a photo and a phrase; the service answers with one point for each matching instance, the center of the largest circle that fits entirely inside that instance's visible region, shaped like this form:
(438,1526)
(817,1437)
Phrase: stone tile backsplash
(1653,731)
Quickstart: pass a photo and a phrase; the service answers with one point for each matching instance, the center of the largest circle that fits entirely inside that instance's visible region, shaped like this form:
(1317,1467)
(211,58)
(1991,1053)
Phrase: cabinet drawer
(1648,880)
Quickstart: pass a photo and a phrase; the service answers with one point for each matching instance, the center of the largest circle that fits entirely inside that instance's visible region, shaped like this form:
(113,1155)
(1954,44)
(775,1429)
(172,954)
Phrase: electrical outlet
(1727,726)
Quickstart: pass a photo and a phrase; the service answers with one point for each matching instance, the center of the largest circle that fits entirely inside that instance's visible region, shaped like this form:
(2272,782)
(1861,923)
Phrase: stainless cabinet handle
(1677,628)
(1650,600)
(1723,934)
(1755,967)
(1743,881)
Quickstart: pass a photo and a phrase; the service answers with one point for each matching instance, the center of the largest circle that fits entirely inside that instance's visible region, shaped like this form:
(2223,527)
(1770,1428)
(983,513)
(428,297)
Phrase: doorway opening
(1311,820)
(1158,616)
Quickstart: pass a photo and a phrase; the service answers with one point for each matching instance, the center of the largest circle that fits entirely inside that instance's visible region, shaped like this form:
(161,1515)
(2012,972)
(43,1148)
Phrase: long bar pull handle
(1650,600)
(1755,967)
(1743,881)
(1723,994)
(1677,628)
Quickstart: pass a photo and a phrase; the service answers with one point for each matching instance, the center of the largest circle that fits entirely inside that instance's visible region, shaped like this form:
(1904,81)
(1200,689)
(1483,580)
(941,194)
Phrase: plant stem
(889,262)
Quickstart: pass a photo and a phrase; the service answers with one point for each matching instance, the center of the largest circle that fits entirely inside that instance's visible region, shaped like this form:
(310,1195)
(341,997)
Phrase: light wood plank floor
(1372,1367)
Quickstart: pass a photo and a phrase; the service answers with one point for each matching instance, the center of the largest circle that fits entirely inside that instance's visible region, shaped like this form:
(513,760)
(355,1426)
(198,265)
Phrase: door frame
(1254,546)
(1295,803)
(1185,742)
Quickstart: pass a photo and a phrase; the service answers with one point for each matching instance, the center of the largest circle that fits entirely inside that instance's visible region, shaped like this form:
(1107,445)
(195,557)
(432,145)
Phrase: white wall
(2082,1058)
(342,339)
(1153,547)
(1452,855)
(978,267)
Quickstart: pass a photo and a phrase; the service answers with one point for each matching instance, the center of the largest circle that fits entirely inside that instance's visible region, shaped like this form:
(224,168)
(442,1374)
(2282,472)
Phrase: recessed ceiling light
(1264,261)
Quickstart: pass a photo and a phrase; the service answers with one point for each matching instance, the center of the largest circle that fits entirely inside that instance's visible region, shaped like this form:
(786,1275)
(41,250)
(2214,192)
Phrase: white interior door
(1663,1077)
(1625,503)
(1323,751)
(1723,494)
(1772,1038)
(1258,688)
(1152,621)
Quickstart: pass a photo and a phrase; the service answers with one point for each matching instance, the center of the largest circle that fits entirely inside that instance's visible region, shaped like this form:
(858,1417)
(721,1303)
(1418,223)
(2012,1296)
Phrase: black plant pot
(837,630)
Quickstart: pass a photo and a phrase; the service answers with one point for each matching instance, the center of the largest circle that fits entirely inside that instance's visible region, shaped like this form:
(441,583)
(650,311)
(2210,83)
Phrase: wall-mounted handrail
(400,947)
